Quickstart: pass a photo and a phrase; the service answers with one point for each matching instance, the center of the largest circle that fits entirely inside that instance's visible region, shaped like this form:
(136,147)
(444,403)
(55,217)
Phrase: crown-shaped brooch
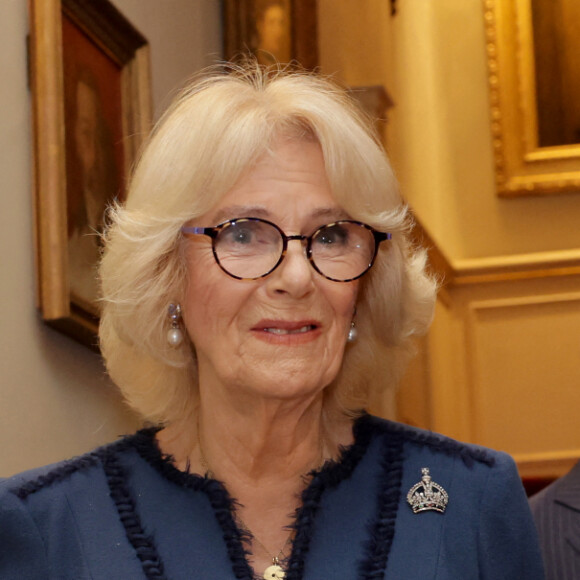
(427,495)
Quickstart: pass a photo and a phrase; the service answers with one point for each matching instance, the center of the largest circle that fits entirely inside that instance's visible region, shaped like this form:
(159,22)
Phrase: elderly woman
(258,285)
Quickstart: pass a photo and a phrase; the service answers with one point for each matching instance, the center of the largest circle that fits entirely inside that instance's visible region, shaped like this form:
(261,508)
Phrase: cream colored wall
(55,400)
(431,57)
(355,50)
(501,365)
(441,140)
(504,352)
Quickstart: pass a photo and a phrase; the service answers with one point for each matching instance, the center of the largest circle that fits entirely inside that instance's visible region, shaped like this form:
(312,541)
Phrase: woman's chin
(283,386)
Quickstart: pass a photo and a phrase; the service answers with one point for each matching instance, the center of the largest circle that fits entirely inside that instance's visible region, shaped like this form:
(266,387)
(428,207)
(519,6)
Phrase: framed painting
(274,31)
(91,104)
(534,82)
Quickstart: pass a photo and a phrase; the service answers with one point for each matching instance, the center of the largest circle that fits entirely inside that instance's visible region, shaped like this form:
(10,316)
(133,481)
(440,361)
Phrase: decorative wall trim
(496,268)
(548,465)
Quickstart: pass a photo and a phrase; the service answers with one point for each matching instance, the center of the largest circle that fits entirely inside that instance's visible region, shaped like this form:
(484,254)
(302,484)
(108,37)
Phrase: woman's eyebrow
(238,211)
(330,213)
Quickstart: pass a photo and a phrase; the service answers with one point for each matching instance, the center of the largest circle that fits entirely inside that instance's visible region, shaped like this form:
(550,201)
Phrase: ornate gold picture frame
(91,105)
(531,49)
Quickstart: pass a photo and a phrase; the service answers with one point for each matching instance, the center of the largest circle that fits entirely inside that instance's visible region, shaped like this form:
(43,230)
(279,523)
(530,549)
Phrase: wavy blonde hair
(217,128)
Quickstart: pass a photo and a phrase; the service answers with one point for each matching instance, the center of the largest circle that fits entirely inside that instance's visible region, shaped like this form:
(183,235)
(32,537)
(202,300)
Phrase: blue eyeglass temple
(200,231)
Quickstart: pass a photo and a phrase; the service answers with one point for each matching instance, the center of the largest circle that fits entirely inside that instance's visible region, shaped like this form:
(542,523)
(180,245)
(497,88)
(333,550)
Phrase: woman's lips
(287,332)
(275,330)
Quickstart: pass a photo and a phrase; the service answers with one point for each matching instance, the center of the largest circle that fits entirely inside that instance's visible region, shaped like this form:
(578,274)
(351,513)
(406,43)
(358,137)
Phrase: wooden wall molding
(549,465)
(493,269)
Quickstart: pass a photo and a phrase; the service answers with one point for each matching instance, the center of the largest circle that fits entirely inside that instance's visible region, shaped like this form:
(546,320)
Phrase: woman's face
(281,336)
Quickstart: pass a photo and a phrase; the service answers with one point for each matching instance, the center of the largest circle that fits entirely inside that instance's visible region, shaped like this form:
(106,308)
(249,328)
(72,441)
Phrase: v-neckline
(329,476)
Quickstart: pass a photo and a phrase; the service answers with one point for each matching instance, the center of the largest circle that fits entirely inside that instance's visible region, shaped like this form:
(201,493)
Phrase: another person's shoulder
(564,492)
(556,513)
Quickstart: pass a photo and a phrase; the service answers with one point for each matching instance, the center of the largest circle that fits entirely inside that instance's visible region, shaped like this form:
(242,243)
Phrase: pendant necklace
(275,570)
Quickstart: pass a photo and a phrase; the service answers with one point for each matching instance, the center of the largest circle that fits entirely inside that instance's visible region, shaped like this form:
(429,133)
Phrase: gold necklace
(275,570)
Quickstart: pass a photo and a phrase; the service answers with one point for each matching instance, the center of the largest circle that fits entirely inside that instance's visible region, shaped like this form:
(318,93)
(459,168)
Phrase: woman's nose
(294,275)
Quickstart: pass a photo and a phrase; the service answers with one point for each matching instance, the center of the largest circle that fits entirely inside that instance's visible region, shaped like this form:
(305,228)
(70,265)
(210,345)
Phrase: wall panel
(524,365)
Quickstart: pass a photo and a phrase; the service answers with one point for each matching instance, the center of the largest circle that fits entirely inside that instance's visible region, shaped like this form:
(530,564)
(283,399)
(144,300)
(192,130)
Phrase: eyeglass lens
(251,248)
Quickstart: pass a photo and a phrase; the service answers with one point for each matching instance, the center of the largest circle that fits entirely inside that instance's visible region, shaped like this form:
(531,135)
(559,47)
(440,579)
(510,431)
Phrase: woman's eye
(332,235)
(243,236)
(238,235)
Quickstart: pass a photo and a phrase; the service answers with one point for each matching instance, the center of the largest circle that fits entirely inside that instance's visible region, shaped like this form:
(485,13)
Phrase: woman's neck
(267,441)
(262,456)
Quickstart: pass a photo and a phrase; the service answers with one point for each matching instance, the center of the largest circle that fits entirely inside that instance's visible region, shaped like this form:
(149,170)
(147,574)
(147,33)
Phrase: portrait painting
(556,43)
(273,31)
(270,31)
(91,105)
(94,154)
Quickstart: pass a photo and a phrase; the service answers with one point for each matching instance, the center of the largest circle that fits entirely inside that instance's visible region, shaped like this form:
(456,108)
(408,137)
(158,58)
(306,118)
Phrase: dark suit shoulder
(565,491)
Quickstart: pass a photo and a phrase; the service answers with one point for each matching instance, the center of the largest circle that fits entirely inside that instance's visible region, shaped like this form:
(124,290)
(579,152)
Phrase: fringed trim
(382,531)
(329,477)
(58,474)
(142,543)
(217,494)
(68,468)
(467,453)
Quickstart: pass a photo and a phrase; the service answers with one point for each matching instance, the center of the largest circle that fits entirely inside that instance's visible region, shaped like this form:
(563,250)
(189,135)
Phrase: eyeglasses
(250,248)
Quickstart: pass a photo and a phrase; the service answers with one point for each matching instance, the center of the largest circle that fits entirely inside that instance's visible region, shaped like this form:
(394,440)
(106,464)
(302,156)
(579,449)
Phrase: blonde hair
(219,126)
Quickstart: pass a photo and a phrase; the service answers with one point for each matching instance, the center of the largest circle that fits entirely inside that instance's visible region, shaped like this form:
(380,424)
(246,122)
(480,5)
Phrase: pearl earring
(174,335)
(352,333)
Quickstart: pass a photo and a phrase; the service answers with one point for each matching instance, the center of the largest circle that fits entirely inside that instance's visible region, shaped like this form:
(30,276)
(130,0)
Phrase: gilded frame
(522,166)
(239,25)
(108,41)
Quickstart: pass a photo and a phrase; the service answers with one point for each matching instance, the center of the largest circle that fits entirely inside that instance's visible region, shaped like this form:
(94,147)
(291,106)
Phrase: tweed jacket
(556,511)
(125,512)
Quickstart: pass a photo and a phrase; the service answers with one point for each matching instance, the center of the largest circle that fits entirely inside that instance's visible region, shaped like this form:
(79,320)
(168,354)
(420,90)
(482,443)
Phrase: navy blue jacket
(124,512)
